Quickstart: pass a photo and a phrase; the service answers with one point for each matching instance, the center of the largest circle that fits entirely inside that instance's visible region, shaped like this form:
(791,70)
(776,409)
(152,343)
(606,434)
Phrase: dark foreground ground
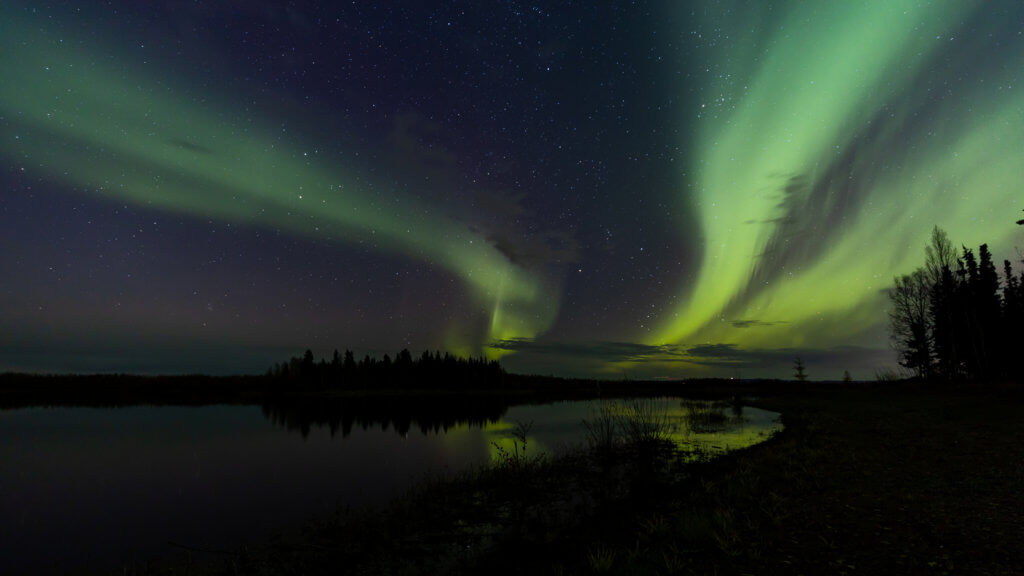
(866,479)
(904,481)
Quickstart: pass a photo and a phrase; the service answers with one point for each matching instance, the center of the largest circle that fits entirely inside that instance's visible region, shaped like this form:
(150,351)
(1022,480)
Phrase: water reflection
(96,488)
(436,414)
(693,425)
(720,426)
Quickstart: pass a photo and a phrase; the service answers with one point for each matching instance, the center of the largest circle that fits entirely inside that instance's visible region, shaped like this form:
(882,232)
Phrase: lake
(103,487)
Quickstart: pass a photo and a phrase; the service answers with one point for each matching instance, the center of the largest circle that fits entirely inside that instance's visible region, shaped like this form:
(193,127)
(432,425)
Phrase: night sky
(613,189)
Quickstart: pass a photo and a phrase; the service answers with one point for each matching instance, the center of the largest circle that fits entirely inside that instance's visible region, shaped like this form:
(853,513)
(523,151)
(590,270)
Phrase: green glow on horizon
(815,83)
(107,128)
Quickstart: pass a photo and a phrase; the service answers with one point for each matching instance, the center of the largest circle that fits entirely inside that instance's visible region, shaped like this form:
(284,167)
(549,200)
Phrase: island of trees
(432,370)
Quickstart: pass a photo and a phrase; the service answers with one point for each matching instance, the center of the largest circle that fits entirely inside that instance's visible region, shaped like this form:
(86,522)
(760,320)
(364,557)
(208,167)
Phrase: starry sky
(611,189)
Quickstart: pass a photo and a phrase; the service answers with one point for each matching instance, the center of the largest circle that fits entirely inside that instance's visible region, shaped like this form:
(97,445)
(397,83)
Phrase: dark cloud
(755,323)
(716,359)
(536,250)
(605,351)
(721,352)
(822,363)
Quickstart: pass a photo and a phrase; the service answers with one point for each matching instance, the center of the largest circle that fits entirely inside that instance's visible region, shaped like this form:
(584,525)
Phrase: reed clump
(640,423)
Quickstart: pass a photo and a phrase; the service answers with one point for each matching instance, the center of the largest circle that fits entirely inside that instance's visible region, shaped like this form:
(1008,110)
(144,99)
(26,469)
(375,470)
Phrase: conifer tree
(798,370)
(941,309)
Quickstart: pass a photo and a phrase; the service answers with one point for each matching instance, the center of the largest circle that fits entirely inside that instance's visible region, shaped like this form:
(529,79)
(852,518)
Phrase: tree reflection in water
(433,413)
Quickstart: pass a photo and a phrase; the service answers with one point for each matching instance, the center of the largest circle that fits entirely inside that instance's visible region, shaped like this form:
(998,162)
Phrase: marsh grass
(601,431)
(644,423)
(702,416)
(892,375)
(517,459)
(601,559)
(638,424)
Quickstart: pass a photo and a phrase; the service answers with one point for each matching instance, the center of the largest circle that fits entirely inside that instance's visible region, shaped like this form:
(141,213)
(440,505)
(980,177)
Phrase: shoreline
(19,390)
(880,480)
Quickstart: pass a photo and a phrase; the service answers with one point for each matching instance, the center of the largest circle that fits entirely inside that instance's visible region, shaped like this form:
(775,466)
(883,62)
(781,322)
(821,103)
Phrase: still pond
(107,487)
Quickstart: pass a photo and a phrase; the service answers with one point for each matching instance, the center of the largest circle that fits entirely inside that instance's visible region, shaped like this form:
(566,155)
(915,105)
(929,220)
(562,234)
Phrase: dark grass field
(910,480)
(866,479)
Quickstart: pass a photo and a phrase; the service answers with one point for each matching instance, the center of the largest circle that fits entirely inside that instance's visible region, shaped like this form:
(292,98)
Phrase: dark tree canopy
(955,319)
(429,371)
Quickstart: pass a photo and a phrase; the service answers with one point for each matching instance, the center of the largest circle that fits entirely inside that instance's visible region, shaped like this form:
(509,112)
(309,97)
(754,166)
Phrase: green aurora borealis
(135,139)
(815,147)
(834,141)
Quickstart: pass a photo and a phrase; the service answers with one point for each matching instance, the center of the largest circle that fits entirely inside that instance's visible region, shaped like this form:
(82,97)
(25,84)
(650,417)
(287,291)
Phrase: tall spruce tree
(988,308)
(968,330)
(940,262)
(798,370)
(942,310)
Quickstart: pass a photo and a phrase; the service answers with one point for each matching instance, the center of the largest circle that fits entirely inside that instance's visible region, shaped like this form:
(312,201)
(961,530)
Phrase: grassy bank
(871,480)
(881,479)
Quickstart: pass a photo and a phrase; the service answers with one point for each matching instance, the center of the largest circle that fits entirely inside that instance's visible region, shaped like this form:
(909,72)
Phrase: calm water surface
(102,487)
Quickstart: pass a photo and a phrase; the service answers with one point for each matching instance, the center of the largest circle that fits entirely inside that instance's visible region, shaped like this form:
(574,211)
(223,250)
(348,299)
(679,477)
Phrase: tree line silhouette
(429,371)
(954,319)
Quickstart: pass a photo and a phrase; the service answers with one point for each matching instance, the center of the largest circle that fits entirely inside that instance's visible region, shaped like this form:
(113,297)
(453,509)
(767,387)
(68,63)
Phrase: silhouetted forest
(429,371)
(955,319)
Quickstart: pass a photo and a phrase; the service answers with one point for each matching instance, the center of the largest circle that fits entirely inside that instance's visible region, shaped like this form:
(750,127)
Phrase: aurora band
(833,136)
(102,126)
